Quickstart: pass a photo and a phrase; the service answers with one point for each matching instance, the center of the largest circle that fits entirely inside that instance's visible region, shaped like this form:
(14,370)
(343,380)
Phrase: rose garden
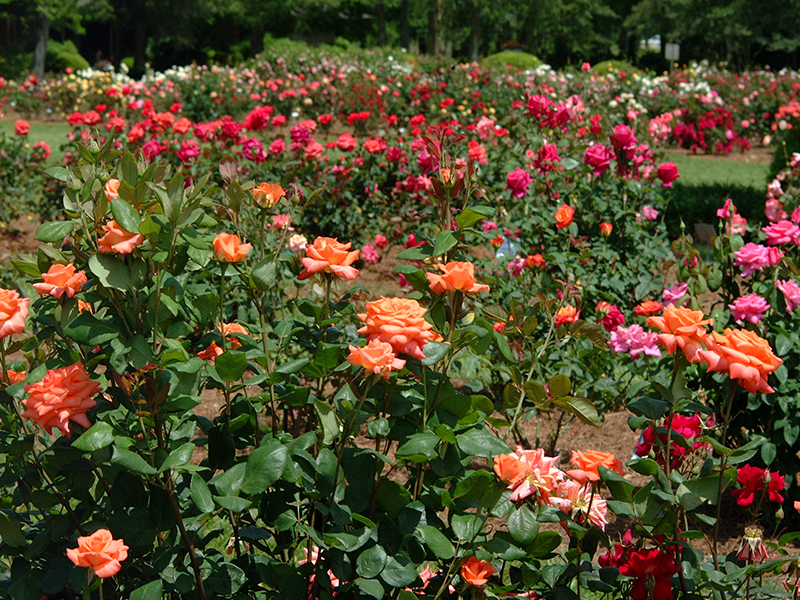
(319,326)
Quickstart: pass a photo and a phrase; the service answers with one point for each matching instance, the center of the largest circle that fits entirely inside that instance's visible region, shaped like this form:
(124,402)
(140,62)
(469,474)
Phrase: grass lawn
(55,134)
(703,170)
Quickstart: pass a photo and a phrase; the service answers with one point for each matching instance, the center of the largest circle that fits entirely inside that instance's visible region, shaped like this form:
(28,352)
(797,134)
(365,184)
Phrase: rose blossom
(518,181)
(213,350)
(667,173)
(329,255)
(752,257)
(564,216)
(744,356)
(682,327)
(782,232)
(791,293)
(674,293)
(399,322)
(100,552)
(60,280)
(376,356)
(567,314)
(635,341)
(648,213)
(727,211)
(476,572)
(117,240)
(21,127)
(63,395)
(13,310)
(112,189)
(598,157)
(267,195)
(749,308)
(457,276)
(229,248)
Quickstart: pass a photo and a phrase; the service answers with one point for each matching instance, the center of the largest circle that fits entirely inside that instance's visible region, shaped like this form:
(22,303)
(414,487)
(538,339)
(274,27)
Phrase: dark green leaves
(265,466)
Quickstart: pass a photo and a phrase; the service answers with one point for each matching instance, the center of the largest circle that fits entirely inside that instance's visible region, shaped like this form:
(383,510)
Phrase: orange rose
(477,572)
(118,240)
(63,395)
(229,248)
(588,463)
(567,314)
(112,189)
(744,355)
(509,468)
(13,310)
(15,376)
(376,356)
(534,261)
(681,327)
(457,276)
(100,552)
(328,255)
(606,229)
(60,280)
(213,351)
(564,216)
(399,322)
(649,307)
(268,195)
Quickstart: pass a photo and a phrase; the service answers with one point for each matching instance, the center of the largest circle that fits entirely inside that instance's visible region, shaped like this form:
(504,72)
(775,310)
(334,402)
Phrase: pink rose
(622,138)
(674,293)
(749,308)
(518,181)
(648,213)
(782,232)
(773,209)
(791,293)
(727,210)
(752,257)
(635,341)
(598,157)
(736,226)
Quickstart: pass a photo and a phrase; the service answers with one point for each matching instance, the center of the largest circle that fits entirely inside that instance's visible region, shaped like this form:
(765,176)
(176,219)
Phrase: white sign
(672,51)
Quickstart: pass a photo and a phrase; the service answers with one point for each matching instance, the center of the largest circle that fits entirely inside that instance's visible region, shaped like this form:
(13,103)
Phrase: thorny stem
(722,465)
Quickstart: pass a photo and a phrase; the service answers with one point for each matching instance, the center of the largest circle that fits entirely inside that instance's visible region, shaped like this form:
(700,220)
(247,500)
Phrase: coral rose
(399,322)
(13,377)
(118,240)
(457,276)
(21,127)
(681,327)
(564,216)
(477,572)
(229,248)
(100,552)
(648,307)
(13,310)
(213,351)
(329,255)
(588,463)
(376,356)
(112,189)
(567,314)
(63,395)
(606,229)
(744,356)
(268,195)
(60,280)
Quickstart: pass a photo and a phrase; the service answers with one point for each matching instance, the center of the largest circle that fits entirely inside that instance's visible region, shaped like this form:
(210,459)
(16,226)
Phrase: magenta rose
(667,173)
(749,308)
(518,181)
(598,157)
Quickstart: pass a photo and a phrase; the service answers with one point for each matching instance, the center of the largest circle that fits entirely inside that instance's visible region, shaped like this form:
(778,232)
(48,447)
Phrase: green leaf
(371,562)
(111,272)
(98,436)
(149,591)
(441,547)
(434,352)
(263,275)
(445,241)
(125,215)
(371,587)
(127,170)
(87,329)
(54,231)
(470,216)
(399,571)
(201,495)
(178,457)
(265,466)
(11,532)
(479,442)
(58,173)
(584,409)
(648,407)
(328,420)
(420,447)
(234,504)
(523,526)
(559,385)
(131,461)
(231,365)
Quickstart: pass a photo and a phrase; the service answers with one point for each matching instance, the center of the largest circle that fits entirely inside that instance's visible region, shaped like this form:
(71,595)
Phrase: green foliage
(615,66)
(62,55)
(519,60)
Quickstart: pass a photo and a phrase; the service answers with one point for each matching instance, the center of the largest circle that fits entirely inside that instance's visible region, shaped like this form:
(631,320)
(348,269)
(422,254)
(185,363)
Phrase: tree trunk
(380,20)
(433,26)
(40,52)
(405,40)
(475,32)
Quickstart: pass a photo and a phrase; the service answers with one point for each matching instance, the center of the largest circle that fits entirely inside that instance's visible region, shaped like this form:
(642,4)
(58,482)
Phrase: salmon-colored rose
(213,351)
(63,395)
(744,356)
(112,189)
(477,572)
(229,248)
(100,552)
(60,280)
(13,310)
(567,314)
(681,327)
(534,261)
(118,240)
(457,276)
(588,463)
(648,307)
(509,468)
(268,195)
(606,229)
(399,322)
(564,216)
(84,306)
(329,255)
(13,377)
(376,356)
